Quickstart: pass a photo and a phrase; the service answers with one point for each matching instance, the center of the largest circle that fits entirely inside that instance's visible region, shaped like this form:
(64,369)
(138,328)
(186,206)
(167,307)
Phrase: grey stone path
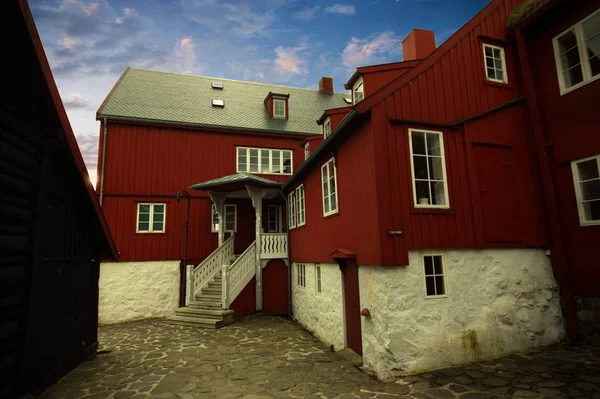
(263,357)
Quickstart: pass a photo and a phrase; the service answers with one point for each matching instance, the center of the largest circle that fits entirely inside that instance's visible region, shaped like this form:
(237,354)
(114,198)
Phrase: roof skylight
(217,85)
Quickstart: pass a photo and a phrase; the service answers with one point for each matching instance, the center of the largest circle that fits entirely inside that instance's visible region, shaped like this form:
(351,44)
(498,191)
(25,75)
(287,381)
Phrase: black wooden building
(52,230)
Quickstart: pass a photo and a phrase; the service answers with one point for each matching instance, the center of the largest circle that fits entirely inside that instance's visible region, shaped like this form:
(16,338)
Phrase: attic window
(217,85)
(278,108)
(218,103)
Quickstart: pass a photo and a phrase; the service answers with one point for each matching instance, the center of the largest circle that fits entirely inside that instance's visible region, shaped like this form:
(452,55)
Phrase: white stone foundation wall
(137,290)
(498,302)
(321,313)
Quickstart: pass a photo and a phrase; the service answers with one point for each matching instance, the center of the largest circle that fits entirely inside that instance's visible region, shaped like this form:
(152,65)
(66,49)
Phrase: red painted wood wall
(572,130)
(150,164)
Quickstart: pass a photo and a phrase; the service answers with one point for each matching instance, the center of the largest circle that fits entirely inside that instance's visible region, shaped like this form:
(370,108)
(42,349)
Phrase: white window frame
(300,206)
(214,211)
(279,100)
(270,220)
(325,170)
(578,194)
(443,274)
(271,170)
(306,150)
(327,128)
(151,219)
(502,57)
(355,88)
(318,278)
(291,203)
(584,59)
(412,169)
(301,275)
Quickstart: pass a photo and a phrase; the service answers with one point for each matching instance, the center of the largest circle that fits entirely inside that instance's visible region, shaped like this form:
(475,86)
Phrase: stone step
(195,321)
(208,299)
(215,285)
(211,291)
(203,313)
(205,305)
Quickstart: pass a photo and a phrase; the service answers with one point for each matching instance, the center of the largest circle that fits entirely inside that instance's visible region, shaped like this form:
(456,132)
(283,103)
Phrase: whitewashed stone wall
(498,301)
(137,290)
(321,313)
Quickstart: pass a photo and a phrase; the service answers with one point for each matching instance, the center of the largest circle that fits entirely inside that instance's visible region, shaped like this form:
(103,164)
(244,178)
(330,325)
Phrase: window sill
(429,297)
(433,211)
(590,224)
(331,215)
(578,85)
(150,232)
(501,85)
(266,174)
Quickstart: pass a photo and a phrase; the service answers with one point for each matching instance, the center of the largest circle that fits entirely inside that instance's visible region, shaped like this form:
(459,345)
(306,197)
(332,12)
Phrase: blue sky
(90,42)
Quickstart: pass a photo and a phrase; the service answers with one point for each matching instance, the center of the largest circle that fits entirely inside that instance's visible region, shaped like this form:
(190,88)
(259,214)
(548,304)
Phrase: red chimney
(418,44)
(326,85)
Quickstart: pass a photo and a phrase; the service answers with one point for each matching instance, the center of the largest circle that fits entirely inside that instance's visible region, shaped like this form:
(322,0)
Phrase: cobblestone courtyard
(263,357)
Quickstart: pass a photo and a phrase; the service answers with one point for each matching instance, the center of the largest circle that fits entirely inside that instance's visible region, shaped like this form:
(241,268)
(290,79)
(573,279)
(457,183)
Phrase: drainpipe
(183,270)
(289,247)
(558,255)
(103,162)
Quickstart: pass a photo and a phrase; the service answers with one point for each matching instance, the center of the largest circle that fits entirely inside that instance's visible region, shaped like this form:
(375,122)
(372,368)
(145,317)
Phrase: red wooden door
(275,288)
(352,307)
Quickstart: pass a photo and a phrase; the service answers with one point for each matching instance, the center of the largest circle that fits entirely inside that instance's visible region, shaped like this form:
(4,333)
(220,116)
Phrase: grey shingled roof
(236,178)
(147,95)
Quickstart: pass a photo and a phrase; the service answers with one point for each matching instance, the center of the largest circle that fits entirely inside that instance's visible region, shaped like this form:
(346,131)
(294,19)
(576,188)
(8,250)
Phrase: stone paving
(270,357)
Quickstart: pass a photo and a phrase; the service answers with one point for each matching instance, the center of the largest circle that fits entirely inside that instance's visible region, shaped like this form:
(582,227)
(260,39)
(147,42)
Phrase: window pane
(438,193)
(144,226)
(333,204)
(144,208)
(588,170)
(422,192)
(488,51)
(439,285)
(500,75)
(331,169)
(497,53)
(242,159)
(592,210)
(144,217)
(430,285)
(489,62)
(491,73)
(264,161)
(159,217)
(276,167)
(159,209)
(498,64)
(435,168)
(567,42)
(287,162)
(591,27)
(253,160)
(590,189)
(433,144)
(157,226)
(325,189)
(418,143)
(573,76)
(420,167)
(437,262)
(332,188)
(593,50)
(428,265)
(570,58)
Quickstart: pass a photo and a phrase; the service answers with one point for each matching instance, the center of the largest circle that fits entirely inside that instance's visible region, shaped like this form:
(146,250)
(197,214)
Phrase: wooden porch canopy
(236,182)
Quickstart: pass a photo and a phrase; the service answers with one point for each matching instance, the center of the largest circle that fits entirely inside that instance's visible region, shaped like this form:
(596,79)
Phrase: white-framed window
(495,63)
(586,177)
(577,53)
(230,218)
(278,108)
(272,219)
(291,203)
(151,217)
(329,187)
(264,161)
(301,274)
(306,150)
(428,166)
(300,206)
(318,282)
(435,284)
(327,128)
(358,91)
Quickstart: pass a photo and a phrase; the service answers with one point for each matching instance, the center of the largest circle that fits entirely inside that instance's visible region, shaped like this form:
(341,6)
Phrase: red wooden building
(433,200)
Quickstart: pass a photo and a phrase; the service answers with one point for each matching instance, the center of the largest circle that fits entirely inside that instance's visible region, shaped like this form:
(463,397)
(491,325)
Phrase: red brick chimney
(326,85)
(418,44)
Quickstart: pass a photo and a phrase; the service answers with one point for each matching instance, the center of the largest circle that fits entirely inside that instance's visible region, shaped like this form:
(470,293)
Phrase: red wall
(572,130)
(150,164)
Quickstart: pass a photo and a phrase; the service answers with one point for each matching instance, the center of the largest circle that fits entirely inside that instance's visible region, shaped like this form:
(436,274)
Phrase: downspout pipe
(558,255)
(103,162)
(289,247)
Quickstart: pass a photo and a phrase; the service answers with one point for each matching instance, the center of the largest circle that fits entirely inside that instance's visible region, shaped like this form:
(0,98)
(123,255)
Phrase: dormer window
(278,108)
(358,93)
(326,128)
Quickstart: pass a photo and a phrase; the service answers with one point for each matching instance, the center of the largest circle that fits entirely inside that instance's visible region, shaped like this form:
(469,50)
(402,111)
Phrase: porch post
(257,194)
(219,200)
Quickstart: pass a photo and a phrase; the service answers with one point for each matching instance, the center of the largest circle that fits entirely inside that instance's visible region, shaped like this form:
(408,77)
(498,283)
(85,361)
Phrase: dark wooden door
(352,306)
(275,288)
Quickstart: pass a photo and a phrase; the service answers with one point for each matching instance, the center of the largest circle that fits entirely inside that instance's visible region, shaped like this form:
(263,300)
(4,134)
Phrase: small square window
(306,150)
(327,128)
(151,218)
(358,91)
(495,63)
(586,177)
(278,108)
(435,286)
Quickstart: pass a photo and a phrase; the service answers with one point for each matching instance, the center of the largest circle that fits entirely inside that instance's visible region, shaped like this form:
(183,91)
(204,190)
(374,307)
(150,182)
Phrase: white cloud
(129,11)
(306,14)
(343,9)
(371,51)
(77,100)
(91,8)
(289,62)
(68,43)
(185,53)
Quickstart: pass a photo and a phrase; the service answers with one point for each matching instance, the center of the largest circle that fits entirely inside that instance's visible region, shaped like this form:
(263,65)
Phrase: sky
(89,43)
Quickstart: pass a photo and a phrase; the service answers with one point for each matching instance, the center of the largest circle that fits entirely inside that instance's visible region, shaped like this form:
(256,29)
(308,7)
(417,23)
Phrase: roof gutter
(320,149)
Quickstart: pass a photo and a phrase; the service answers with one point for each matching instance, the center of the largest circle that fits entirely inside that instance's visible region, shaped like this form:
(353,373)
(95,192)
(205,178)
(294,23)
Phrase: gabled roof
(163,97)
(229,182)
(67,131)
(378,68)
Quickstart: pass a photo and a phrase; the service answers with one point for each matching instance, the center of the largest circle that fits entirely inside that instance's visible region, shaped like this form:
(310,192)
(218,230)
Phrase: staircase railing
(274,246)
(205,271)
(238,275)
